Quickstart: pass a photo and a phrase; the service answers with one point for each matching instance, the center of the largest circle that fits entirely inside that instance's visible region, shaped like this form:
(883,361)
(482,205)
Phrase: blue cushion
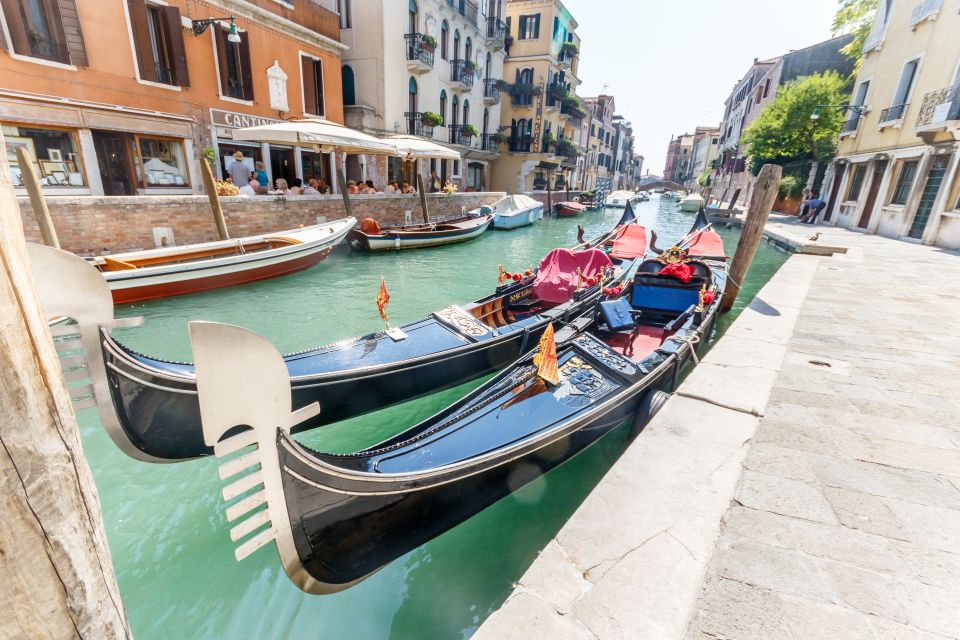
(663,298)
(616,314)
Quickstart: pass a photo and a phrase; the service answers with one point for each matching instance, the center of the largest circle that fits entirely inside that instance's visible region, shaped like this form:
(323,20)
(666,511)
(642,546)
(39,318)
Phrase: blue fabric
(663,298)
(616,313)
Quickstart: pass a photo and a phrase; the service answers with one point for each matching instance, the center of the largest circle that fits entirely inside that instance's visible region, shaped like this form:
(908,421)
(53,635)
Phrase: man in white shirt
(250,189)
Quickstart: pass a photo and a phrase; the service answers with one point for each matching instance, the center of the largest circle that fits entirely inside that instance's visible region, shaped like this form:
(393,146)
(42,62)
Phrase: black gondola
(337,518)
(149,405)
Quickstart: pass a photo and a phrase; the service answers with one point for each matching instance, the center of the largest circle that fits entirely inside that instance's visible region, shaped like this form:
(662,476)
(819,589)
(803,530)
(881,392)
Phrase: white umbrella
(413,147)
(317,132)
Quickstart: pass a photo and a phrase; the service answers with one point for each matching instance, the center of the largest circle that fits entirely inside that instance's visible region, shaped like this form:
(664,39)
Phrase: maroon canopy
(557,277)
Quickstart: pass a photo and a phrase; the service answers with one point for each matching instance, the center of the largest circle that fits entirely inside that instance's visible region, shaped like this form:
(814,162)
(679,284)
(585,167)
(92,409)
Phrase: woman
(352,187)
(369,189)
(261,173)
(282,188)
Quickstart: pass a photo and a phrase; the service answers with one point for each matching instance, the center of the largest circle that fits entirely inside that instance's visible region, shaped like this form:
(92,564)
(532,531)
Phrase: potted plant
(570,48)
(431,119)
(428,42)
(548,138)
(503,85)
(469,66)
(469,130)
(500,138)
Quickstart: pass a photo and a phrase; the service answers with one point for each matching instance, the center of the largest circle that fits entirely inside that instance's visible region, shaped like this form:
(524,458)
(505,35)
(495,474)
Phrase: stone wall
(95,225)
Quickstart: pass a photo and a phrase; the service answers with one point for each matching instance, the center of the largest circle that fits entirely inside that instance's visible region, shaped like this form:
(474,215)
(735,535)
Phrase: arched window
(349,85)
(413,17)
(412,93)
(444,37)
(456,44)
(524,77)
(486,73)
(454,111)
(468,49)
(466,112)
(443,107)
(486,121)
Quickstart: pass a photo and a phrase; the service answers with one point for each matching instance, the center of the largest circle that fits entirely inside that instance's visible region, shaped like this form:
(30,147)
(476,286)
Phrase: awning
(323,134)
(414,147)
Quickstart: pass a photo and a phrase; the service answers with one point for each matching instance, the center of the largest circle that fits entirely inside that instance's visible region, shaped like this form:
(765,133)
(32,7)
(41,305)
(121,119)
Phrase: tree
(785,133)
(856,17)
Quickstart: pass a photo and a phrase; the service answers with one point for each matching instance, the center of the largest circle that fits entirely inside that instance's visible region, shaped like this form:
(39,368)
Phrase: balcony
(415,126)
(465,8)
(521,144)
(556,92)
(850,126)
(419,52)
(926,10)
(487,143)
(521,99)
(461,134)
(940,109)
(491,92)
(874,41)
(496,33)
(892,115)
(461,74)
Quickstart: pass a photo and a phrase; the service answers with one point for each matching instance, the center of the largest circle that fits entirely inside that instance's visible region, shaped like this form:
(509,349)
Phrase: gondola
(149,405)
(338,518)
(371,237)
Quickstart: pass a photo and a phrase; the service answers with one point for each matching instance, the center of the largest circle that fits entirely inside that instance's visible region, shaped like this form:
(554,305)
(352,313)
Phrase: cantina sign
(238,120)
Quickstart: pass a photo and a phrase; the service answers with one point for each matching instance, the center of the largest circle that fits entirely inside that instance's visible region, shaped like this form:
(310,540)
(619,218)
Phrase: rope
(693,341)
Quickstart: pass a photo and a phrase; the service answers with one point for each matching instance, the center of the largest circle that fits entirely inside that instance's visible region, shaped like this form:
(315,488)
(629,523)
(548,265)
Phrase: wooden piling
(58,576)
(733,200)
(764,195)
(37,202)
(423,200)
(549,197)
(342,185)
(211,186)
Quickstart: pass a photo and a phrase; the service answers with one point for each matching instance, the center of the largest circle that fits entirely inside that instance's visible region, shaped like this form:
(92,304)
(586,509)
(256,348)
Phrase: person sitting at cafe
(282,188)
(323,187)
(369,189)
(252,188)
(260,173)
(407,188)
(311,188)
(352,187)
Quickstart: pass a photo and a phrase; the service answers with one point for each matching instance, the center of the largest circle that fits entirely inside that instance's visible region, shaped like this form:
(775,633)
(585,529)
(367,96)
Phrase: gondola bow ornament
(546,358)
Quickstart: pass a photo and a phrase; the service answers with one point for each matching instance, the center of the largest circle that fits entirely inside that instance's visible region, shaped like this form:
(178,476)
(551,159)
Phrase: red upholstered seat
(645,341)
(630,242)
(709,243)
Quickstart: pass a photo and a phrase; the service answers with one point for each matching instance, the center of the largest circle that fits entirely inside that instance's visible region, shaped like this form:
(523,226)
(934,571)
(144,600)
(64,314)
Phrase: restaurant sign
(238,120)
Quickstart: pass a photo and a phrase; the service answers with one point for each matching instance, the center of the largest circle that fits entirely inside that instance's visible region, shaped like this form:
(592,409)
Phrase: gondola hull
(420,236)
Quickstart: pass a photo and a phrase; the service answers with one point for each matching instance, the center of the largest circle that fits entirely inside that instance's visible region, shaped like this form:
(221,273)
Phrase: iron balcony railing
(497,30)
(417,48)
(894,113)
(487,143)
(851,124)
(934,109)
(521,143)
(466,8)
(462,71)
(521,99)
(926,9)
(459,134)
(491,90)
(555,93)
(415,126)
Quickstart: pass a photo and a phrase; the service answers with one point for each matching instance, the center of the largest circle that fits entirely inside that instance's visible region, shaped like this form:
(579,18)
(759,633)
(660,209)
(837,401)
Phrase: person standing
(435,184)
(239,170)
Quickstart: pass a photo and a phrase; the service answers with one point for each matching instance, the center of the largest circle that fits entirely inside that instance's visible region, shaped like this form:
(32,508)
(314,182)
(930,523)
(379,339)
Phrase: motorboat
(512,212)
(569,208)
(136,276)
(692,203)
(619,199)
(370,236)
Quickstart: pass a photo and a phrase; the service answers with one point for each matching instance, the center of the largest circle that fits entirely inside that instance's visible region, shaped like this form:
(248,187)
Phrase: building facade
(540,80)
(896,173)
(430,68)
(124,97)
(679,151)
(706,148)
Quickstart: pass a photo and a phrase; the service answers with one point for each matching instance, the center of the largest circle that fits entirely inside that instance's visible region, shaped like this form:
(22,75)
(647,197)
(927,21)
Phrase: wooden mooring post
(37,202)
(423,200)
(764,195)
(549,197)
(58,579)
(210,185)
(342,186)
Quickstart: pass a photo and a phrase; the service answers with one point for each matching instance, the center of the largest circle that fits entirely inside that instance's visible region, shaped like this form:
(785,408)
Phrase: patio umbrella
(317,132)
(414,147)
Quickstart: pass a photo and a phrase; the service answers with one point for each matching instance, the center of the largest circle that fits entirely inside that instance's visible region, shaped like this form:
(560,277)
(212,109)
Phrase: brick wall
(93,225)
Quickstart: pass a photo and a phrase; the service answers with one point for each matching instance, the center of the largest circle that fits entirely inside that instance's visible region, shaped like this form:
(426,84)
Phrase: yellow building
(540,73)
(897,168)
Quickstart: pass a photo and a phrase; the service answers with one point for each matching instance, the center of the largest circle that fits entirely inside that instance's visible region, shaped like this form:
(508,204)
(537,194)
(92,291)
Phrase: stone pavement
(846,520)
(804,482)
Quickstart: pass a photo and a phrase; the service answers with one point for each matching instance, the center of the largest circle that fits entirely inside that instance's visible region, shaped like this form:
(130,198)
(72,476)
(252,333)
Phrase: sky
(670,64)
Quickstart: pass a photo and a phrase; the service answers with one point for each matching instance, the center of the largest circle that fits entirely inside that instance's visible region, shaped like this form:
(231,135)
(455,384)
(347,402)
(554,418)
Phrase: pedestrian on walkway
(812,208)
(239,170)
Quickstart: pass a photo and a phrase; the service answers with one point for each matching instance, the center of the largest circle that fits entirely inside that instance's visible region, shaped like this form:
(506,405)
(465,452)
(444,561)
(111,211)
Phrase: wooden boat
(149,405)
(569,208)
(338,518)
(620,199)
(174,271)
(512,212)
(434,234)
(692,203)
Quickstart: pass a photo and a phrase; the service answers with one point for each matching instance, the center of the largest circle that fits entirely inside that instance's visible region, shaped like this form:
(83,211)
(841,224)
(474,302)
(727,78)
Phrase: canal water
(165,524)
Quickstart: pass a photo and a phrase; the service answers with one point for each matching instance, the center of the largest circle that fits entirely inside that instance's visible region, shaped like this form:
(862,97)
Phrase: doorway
(929,196)
(282,165)
(879,169)
(114,162)
(834,190)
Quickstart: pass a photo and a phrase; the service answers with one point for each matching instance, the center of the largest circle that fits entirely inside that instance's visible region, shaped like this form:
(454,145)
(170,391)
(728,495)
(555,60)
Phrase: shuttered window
(158,40)
(529,27)
(311,72)
(233,58)
(46,29)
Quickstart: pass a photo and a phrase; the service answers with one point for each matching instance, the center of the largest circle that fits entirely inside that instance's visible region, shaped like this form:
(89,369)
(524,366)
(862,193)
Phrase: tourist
(252,188)
(282,188)
(434,182)
(389,189)
(812,208)
(407,188)
(352,187)
(323,187)
(311,188)
(369,189)
(261,173)
(239,170)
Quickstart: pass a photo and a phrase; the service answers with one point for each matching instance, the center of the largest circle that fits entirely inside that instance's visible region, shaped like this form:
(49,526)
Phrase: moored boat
(372,237)
(338,518)
(171,271)
(569,208)
(692,203)
(512,212)
(620,199)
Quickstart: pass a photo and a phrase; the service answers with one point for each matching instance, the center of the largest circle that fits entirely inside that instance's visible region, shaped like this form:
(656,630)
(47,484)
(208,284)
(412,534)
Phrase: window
(39,30)
(905,86)
(345,10)
(160,162)
(311,74)
(53,153)
(158,41)
(468,49)
(529,27)
(509,21)
(444,37)
(412,28)
(456,44)
(856,182)
(443,108)
(454,112)
(349,85)
(766,88)
(524,77)
(233,61)
(904,182)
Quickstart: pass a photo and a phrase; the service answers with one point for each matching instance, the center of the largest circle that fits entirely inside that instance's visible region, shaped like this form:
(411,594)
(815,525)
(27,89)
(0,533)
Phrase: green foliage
(571,48)
(856,17)
(211,156)
(519,89)
(431,119)
(790,187)
(429,42)
(470,130)
(548,138)
(784,132)
(704,180)
(500,138)
(567,148)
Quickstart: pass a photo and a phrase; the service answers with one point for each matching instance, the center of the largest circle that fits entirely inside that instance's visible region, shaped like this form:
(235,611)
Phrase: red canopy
(557,277)
(630,242)
(709,244)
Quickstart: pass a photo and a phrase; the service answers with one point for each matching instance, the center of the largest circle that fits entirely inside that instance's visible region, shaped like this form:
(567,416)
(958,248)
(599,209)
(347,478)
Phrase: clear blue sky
(671,63)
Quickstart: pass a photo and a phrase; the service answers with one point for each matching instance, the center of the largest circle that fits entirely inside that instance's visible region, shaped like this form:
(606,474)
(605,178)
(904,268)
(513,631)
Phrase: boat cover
(709,243)
(557,277)
(630,242)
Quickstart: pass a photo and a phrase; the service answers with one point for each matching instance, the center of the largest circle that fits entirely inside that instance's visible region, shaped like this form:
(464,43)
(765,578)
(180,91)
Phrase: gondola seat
(653,291)
(617,314)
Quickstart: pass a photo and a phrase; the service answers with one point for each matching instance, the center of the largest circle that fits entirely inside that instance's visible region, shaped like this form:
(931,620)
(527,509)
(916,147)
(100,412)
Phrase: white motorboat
(512,212)
(692,203)
(620,199)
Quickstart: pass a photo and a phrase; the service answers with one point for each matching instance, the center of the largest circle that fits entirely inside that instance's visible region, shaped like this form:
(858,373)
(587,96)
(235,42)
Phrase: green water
(165,525)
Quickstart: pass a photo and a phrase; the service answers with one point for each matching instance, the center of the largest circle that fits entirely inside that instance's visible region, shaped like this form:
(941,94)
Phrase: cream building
(413,60)
(706,148)
(541,74)
(897,167)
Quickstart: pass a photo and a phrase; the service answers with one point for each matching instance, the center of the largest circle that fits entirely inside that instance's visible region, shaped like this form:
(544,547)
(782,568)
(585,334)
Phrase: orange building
(124,97)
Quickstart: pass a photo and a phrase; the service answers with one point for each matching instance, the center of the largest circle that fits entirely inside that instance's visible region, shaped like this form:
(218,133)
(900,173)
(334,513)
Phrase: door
(834,190)
(929,196)
(113,160)
(878,171)
(282,165)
